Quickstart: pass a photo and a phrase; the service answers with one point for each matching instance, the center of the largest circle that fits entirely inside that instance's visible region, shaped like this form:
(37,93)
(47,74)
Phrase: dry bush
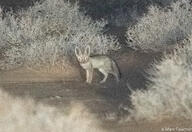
(161,27)
(18,115)
(131,11)
(169,94)
(47,33)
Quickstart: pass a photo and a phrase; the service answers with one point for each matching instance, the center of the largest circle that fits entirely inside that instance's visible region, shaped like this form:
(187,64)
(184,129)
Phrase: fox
(103,63)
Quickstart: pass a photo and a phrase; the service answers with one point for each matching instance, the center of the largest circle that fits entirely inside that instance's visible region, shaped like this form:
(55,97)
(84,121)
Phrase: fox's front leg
(89,75)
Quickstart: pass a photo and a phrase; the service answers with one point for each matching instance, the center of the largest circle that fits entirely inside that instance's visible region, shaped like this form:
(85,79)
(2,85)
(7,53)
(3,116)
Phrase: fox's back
(100,61)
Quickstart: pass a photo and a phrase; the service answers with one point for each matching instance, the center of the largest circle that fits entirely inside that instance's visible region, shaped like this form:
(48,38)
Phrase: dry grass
(169,94)
(18,115)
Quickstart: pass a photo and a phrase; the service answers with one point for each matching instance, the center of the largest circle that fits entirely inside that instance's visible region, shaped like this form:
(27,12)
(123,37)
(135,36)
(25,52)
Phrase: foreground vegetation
(168,94)
(28,116)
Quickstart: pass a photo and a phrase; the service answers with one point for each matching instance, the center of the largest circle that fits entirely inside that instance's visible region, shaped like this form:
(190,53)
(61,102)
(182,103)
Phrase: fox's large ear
(87,50)
(77,51)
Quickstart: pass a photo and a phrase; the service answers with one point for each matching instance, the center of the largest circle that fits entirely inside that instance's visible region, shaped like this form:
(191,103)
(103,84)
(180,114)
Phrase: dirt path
(108,97)
(57,90)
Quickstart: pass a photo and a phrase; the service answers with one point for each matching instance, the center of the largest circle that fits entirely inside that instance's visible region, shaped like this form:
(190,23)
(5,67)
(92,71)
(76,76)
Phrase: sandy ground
(61,90)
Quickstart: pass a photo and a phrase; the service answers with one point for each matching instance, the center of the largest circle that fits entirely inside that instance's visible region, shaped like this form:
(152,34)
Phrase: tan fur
(103,63)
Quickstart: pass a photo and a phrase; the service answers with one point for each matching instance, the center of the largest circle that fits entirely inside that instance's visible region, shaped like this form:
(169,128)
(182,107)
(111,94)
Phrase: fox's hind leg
(115,71)
(116,76)
(105,75)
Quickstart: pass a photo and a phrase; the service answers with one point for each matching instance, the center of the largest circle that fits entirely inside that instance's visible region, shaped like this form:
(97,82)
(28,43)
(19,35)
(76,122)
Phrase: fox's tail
(116,70)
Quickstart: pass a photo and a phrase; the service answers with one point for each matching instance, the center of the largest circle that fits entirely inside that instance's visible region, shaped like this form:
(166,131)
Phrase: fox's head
(82,57)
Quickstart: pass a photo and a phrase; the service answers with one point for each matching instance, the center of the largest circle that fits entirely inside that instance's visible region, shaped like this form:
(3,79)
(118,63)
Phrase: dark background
(95,8)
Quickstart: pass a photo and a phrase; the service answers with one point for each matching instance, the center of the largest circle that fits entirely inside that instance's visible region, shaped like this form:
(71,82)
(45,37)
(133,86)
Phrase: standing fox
(103,63)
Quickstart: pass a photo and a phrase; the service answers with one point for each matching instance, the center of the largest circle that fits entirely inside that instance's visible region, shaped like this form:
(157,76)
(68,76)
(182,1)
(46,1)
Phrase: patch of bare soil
(167,125)
(104,100)
(46,74)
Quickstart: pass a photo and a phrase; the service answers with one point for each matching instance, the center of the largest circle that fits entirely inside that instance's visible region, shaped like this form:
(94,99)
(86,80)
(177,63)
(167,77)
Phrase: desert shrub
(161,27)
(28,116)
(169,94)
(48,32)
(130,11)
